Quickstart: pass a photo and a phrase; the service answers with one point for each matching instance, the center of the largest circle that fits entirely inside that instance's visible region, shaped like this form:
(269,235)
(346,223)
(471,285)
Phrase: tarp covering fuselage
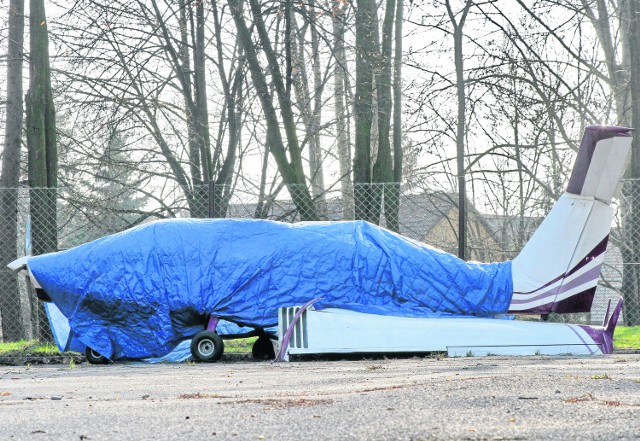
(139,293)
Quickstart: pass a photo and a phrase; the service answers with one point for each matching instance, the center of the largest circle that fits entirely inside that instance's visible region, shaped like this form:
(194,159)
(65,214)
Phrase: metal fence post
(212,199)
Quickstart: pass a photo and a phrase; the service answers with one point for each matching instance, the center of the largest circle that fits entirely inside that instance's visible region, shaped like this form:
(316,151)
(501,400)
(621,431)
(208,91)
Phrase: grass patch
(14,346)
(240,345)
(627,337)
(24,347)
(46,349)
(34,347)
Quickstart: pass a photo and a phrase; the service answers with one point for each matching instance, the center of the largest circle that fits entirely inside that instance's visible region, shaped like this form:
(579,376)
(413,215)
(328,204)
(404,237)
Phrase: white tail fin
(558,269)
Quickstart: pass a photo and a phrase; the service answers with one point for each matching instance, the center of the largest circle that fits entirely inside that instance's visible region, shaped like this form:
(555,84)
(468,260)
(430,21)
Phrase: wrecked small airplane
(141,293)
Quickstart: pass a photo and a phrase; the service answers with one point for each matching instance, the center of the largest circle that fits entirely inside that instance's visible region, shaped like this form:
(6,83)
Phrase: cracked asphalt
(497,398)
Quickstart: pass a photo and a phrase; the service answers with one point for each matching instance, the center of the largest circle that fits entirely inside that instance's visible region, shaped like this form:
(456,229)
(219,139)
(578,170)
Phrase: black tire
(94,357)
(207,346)
(263,349)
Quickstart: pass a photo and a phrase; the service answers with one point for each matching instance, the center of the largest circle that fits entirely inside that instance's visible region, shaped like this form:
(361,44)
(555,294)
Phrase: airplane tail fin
(558,269)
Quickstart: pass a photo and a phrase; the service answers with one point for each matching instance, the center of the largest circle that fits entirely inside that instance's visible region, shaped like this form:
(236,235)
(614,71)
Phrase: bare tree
(373,85)
(151,83)
(10,311)
(232,88)
(288,158)
(631,282)
(392,198)
(193,88)
(366,46)
(458,25)
(340,88)
(309,97)
(42,146)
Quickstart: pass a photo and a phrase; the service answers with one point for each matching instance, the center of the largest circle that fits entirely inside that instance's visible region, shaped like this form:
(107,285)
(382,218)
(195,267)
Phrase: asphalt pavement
(496,398)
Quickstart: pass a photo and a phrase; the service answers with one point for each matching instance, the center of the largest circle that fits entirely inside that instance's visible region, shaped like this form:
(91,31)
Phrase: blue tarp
(66,340)
(139,293)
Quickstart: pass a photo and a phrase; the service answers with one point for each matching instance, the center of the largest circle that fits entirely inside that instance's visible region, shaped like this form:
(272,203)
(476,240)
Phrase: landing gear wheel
(94,357)
(263,349)
(207,346)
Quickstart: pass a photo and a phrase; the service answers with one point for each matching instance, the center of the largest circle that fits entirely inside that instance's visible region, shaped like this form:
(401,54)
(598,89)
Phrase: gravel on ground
(497,398)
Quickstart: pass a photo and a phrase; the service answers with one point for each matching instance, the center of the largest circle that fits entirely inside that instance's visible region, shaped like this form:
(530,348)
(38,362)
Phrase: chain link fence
(50,220)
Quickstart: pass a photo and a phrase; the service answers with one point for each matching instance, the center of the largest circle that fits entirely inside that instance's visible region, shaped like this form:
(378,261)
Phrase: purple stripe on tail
(591,255)
(592,274)
(580,302)
(582,339)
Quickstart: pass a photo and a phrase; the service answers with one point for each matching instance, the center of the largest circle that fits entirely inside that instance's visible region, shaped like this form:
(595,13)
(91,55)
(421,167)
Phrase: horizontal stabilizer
(19,264)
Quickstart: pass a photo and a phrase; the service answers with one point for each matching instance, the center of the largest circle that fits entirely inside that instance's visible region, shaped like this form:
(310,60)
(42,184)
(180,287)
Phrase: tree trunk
(10,174)
(460,125)
(184,69)
(315,148)
(631,274)
(392,193)
(199,190)
(195,107)
(366,45)
(630,204)
(292,172)
(309,105)
(10,307)
(201,149)
(200,89)
(618,75)
(233,98)
(41,142)
(460,129)
(383,167)
(342,141)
